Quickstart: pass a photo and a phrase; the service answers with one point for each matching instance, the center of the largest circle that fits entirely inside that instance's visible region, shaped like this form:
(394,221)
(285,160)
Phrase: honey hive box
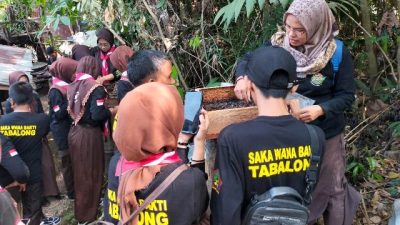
(224,109)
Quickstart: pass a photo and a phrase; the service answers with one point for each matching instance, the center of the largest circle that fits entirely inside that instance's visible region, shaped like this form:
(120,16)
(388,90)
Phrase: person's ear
(12,103)
(151,80)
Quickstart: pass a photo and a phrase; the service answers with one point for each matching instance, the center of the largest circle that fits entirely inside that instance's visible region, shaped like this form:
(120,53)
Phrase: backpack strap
(160,189)
(337,57)
(315,158)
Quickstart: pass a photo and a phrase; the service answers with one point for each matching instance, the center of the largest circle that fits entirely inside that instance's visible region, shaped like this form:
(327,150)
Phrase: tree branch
(380,48)
(120,39)
(155,19)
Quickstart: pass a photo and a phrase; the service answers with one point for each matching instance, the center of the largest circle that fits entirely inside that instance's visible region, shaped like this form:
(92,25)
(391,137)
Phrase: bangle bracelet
(198,161)
(183,143)
(239,78)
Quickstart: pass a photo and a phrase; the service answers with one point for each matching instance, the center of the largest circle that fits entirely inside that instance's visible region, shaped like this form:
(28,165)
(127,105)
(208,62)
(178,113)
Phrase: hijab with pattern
(320,26)
(79,91)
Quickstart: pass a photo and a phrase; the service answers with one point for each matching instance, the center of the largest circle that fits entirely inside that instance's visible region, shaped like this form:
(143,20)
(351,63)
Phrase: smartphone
(192,108)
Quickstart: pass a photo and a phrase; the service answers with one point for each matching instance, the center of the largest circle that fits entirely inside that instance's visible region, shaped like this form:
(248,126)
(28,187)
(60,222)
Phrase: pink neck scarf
(153,160)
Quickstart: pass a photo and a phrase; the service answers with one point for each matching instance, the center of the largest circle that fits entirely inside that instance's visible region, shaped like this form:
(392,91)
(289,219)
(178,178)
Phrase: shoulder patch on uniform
(13,152)
(56,108)
(217,182)
(100,102)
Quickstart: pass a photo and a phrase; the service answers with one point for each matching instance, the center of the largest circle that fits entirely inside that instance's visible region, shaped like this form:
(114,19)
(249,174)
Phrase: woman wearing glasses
(310,29)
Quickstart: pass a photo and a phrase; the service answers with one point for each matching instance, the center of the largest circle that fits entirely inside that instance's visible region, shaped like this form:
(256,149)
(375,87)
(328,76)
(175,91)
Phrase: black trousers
(31,203)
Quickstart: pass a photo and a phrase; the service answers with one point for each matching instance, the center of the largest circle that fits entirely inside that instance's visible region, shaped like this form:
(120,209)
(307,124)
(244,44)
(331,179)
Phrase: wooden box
(220,118)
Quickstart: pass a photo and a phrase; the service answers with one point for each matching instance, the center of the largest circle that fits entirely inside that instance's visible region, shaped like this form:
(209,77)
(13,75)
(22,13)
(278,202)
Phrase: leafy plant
(395,126)
(368,169)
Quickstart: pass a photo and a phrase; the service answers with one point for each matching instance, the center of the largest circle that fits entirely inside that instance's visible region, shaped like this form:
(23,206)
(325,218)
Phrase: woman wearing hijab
(119,60)
(80,51)
(149,140)
(63,72)
(13,78)
(86,107)
(105,47)
(310,29)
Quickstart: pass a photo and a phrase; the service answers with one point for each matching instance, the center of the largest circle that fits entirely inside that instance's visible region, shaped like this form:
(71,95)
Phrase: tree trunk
(398,47)
(366,23)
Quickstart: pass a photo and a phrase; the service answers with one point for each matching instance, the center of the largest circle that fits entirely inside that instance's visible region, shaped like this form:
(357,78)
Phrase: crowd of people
(151,176)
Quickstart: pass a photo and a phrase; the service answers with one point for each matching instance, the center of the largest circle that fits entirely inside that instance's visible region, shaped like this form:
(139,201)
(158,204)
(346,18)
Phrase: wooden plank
(219,119)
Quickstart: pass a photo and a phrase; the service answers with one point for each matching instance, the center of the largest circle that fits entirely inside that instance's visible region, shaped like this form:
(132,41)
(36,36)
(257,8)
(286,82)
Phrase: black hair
(49,50)
(144,64)
(278,85)
(21,93)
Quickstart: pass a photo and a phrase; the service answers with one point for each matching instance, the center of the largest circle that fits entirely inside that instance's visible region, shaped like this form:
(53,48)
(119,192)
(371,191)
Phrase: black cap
(264,61)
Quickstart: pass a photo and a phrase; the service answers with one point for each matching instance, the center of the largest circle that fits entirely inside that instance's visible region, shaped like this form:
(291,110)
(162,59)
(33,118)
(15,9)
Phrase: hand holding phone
(193,105)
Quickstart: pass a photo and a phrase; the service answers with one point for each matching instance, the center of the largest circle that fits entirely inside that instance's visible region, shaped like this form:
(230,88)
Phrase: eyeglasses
(103,45)
(296,31)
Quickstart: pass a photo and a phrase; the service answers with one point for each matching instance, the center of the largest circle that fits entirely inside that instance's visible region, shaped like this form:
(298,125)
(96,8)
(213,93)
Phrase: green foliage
(343,5)
(214,82)
(368,169)
(194,42)
(395,126)
(232,11)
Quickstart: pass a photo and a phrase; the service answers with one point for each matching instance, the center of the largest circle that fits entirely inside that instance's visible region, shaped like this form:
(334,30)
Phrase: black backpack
(284,205)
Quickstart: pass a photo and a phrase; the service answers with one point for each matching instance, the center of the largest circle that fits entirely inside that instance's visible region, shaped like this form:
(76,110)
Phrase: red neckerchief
(83,76)
(60,83)
(104,58)
(153,160)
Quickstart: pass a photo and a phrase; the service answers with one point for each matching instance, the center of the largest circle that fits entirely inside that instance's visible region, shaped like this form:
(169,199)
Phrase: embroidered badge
(100,102)
(217,182)
(56,108)
(13,152)
(317,79)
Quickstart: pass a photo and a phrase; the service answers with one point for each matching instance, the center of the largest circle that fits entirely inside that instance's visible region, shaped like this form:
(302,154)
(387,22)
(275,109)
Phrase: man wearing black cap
(52,55)
(269,151)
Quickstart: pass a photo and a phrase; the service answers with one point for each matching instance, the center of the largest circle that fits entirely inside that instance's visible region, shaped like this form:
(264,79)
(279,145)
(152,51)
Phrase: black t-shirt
(12,167)
(253,157)
(60,120)
(123,87)
(111,207)
(182,203)
(96,114)
(26,131)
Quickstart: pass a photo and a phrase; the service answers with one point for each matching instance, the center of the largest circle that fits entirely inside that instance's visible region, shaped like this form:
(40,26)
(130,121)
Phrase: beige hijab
(149,121)
(319,23)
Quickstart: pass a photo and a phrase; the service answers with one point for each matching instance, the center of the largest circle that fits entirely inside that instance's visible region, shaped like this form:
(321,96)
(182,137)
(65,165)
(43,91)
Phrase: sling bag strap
(315,158)
(160,189)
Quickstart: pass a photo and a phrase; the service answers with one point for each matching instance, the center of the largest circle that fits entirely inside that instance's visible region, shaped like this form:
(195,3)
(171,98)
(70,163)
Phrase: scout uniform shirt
(253,157)
(26,130)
